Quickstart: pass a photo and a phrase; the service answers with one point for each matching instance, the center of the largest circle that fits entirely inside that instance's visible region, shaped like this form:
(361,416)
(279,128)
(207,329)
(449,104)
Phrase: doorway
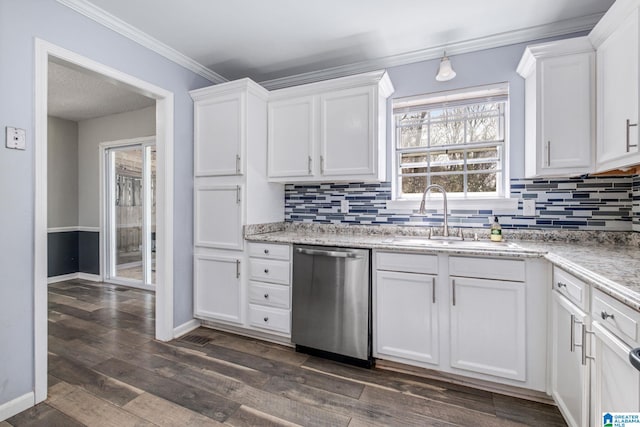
(130,212)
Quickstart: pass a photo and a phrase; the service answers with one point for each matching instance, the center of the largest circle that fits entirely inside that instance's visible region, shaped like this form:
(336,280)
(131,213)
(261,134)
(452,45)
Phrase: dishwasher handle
(332,254)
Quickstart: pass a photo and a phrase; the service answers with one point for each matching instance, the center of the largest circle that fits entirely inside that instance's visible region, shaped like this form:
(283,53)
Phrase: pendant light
(445,72)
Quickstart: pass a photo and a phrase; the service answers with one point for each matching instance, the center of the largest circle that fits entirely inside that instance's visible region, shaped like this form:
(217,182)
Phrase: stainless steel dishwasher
(331,308)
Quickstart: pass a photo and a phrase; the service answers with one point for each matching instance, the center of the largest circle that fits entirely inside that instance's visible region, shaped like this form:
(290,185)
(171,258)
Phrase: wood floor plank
(527,412)
(249,417)
(60,299)
(94,382)
(41,415)
(77,351)
(211,405)
(164,413)
(93,411)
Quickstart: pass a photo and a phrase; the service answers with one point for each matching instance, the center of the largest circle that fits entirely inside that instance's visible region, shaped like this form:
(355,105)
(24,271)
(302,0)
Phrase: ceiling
(267,40)
(76,94)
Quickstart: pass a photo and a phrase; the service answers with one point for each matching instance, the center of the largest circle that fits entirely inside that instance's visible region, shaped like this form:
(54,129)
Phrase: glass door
(130,213)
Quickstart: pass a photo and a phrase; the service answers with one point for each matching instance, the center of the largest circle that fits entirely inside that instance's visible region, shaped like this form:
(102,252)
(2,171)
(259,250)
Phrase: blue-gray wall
(20,23)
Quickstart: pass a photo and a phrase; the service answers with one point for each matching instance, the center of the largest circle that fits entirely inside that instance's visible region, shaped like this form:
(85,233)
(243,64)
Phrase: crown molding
(553,49)
(568,26)
(102,17)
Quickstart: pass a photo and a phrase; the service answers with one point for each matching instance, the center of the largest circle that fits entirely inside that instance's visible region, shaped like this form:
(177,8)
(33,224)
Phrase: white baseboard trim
(16,406)
(185,328)
(62,278)
(89,277)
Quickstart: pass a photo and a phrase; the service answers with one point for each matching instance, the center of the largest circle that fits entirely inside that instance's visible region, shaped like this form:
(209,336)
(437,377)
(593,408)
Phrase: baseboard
(185,328)
(89,277)
(62,278)
(16,406)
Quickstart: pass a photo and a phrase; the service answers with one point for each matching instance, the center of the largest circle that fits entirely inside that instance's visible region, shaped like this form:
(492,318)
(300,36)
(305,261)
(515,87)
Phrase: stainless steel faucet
(440,188)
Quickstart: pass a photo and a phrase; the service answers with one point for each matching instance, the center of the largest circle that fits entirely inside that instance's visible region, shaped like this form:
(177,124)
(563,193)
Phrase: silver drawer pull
(606,315)
(266,271)
(266,296)
(629,144)
(561,285)
(266,251)
(266,319)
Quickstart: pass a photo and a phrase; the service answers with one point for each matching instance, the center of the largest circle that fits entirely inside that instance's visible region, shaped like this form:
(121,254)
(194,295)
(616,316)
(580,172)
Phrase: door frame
(104,220)
(165,191)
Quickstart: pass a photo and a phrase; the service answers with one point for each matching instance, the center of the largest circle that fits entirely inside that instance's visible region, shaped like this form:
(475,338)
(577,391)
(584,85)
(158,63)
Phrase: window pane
(413,137)
(414,184)
(451,183)
(483,129)
(409,159)
(447,133)
(478,183)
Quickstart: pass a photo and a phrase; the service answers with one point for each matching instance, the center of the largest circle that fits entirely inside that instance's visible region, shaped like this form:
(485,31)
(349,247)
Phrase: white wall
(21,22)
(91,133)
(62,173)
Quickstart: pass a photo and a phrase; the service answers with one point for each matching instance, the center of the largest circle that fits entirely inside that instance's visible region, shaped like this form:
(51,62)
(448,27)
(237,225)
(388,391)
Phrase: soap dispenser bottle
(496,230)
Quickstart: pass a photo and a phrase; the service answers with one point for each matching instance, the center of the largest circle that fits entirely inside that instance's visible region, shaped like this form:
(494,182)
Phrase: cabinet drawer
(269,251)
(409,263)
(270,318)
(487,268)
(621,320)
(571,287)
(271,295)
(268,270)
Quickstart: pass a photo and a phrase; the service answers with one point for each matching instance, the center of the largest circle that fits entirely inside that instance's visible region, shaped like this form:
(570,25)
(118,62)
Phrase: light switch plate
(528,207)
(16,138)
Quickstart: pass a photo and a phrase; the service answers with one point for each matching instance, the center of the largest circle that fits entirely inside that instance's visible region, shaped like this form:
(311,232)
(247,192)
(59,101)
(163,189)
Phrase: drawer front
(487,268)
(269,251)
(621,320)
(571,287)
(270,318)
(271,295)
(405,262)
(267,270)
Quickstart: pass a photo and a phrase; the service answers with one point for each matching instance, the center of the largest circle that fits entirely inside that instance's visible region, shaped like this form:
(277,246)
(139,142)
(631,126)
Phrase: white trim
(73,228)
(17,405)
(164,221)
(89,277)
(185,328)
(119,26)
(568,26)
(61,278)
(508,205)
(132,283)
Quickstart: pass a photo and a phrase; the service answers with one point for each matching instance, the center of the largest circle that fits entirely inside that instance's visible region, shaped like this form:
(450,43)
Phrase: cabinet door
(348,132)
(617,60)
(291,138)
(615,382)
(488,327)
(218,217)
(219,135)
(568,100)
(569,377)
(217,288)
(406,316)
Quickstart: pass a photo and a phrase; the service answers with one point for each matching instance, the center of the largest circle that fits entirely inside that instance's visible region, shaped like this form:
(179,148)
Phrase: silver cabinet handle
(453,286)
(238,163)
(237,269)
(266,296)
(606,315)
(310,164)
(433,290)
(237,194)
(572,334)
(584,345)
(266,319)
(266,251)
(629,144)
(548,153)
(561,285)
(333,254)
(266,271)
(321,164)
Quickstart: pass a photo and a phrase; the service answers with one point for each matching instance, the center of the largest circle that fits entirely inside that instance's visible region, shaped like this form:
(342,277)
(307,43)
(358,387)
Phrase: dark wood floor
(105,369)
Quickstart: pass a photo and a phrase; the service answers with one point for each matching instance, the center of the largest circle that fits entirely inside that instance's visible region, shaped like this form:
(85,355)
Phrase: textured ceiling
(277,38)
(79,95)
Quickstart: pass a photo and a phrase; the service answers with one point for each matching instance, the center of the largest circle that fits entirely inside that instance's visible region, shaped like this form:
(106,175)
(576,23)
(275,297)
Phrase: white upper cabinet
(616,40)
(559,107)
(331,130)
(219,134)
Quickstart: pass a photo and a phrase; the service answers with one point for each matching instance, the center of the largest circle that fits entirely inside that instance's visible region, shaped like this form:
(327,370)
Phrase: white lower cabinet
(217,291)
(407,316)
(569,375)
(488,327)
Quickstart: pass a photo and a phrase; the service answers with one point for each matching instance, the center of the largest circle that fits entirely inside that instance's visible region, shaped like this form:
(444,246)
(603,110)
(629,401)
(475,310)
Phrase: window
(457,140)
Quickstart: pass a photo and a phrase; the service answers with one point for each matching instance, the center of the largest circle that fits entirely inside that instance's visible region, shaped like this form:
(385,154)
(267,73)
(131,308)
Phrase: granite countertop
(609,261)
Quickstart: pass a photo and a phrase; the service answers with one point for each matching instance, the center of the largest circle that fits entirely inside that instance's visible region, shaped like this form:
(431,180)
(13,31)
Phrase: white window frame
(499,200)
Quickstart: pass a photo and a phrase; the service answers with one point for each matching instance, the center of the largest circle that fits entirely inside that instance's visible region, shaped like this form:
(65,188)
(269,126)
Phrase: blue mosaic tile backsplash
(592,203)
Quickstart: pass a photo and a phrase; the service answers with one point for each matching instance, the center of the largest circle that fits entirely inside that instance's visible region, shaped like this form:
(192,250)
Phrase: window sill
(498,205)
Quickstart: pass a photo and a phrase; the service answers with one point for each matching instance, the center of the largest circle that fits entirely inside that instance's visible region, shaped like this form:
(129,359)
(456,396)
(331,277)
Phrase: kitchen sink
(462,244)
